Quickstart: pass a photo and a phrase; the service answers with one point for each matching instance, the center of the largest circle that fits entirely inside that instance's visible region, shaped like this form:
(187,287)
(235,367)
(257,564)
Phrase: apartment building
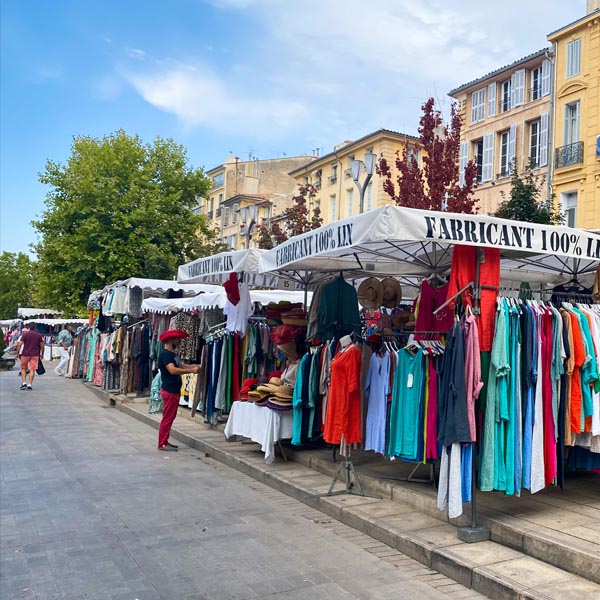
(506,119)
(576,119)
(337,195)
(245,189)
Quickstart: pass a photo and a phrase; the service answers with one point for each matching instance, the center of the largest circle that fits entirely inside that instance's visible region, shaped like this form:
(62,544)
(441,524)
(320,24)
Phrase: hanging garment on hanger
(342,421)
(407,400)
(464,260)
(377,390)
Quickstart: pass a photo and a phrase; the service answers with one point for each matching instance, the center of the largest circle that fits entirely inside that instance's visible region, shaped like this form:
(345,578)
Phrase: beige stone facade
(337,195)
(237,184)
(506,118)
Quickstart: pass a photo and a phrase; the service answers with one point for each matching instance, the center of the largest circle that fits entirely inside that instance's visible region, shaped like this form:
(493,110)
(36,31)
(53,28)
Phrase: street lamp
(248,213)
(356,168)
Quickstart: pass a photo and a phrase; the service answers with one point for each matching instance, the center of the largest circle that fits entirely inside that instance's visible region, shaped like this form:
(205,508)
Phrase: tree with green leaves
(118,208)
(523,202)
(16,283)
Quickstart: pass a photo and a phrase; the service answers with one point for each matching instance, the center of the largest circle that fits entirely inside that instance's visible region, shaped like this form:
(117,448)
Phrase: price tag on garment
(409,383)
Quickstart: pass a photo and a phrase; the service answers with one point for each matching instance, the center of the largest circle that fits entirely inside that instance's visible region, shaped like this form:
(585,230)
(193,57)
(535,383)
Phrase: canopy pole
(475,532)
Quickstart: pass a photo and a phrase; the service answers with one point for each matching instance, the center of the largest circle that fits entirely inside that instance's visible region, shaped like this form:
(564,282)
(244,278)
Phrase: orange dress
(343,403)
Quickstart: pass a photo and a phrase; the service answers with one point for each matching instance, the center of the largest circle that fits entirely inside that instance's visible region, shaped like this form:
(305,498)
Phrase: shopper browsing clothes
(65,339)
(170,389)
(31,349)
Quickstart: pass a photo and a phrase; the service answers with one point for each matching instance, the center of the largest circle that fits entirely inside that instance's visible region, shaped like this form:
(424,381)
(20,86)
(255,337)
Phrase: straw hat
(392,292)
(370,293)
(285,392)
(294,319)
(289,350)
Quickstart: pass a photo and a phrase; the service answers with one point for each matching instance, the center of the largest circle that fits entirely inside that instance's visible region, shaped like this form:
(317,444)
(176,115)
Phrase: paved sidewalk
(91,510)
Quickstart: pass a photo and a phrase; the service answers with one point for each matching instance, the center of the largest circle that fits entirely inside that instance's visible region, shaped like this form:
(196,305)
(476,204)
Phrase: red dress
(343,404)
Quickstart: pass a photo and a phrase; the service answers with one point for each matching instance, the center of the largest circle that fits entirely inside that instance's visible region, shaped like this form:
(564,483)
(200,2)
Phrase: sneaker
(172,445)
(57,372)
(29,387)
(23,386)
(167,448)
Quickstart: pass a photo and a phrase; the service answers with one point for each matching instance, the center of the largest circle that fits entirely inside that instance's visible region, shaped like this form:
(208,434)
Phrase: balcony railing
(568,155)
(332,179)
(218,212)
(209,214)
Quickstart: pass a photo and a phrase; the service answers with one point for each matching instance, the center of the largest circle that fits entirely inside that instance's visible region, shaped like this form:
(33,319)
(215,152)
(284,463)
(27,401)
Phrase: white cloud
(136,53)
(198,97)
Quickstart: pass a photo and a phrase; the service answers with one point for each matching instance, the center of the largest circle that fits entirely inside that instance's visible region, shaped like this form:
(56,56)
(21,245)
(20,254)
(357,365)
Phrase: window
(218,180)
(534,143)
(211,211)
(197,210)
(574,57)
(492,99)
(333,208)
(478,106)
(504,155)
(538,142)
(487,168)
(318,178)
(506,96)
(568,205)
(571,132)
(464,159)
(333,176)
(306,180)
(226,216)
(535,89)
(236,213)
(517,84)
(546,71)
(350,201)
(220,200)
(479,159)
(369,196)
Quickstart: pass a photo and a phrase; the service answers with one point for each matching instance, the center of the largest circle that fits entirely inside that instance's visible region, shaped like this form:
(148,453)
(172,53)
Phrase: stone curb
(308,479)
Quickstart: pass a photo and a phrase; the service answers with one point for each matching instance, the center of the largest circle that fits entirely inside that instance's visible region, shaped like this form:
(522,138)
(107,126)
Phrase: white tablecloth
(260,424)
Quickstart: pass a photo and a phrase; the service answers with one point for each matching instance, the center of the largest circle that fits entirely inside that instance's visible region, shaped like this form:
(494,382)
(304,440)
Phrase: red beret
(173,334)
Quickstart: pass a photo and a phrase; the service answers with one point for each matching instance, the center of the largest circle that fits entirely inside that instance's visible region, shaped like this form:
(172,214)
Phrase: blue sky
(262,76)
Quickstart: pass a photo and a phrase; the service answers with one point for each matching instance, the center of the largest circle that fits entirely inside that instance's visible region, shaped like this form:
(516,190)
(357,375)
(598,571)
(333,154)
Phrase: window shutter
(518,88)
(546,72)
(543,140)
(464,159)
(491,100)
(512,140)
(488,157)
(474,107)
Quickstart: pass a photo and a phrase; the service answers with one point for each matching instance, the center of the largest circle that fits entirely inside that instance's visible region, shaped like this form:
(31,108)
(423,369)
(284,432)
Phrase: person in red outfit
(170,387)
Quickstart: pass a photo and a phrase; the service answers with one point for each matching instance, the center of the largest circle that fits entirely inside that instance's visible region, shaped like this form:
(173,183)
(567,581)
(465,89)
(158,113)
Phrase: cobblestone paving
(91,510)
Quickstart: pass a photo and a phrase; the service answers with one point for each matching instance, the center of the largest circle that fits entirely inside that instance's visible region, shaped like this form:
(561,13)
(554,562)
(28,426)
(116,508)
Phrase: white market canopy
(246,263)
(409,242)
(161,286)
(54,322)
(28,313)
(218,299)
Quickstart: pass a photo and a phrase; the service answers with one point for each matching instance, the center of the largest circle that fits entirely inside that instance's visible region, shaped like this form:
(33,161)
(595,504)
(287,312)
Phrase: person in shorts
(31,348)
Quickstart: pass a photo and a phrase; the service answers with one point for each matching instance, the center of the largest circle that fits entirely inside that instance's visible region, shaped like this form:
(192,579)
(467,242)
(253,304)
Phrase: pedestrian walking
(64,340)
(31,349)
(170,388)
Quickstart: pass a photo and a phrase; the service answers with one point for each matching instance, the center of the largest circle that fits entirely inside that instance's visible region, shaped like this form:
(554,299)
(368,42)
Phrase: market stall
(512,294)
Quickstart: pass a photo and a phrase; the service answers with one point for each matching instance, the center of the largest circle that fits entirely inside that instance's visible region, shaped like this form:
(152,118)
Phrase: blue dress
(377,388)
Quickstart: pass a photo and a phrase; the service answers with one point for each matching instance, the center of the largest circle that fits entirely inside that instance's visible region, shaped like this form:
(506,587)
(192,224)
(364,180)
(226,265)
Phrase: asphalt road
(91,510)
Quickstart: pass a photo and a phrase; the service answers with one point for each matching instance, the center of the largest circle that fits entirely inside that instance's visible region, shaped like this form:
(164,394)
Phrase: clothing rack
(138,323)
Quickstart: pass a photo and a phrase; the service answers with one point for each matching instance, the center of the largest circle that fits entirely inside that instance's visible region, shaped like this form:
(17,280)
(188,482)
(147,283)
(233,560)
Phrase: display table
(260,424)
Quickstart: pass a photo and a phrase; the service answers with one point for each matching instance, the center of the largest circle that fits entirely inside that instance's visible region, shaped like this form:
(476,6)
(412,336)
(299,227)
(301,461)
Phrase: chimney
(592,5)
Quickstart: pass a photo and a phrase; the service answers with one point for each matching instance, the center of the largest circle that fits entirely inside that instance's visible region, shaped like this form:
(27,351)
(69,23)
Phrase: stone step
(405,521)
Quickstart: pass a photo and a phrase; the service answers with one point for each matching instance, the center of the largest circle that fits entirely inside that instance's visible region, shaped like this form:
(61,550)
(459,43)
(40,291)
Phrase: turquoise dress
(407,398)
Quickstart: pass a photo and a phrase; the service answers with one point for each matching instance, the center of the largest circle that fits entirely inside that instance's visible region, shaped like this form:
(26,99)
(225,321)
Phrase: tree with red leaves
(298,219)
(437,185)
